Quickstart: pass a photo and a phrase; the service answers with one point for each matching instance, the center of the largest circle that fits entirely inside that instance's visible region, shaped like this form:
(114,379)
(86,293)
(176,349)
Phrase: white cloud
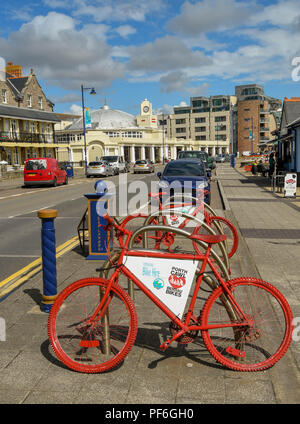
(62,54)
(165,54)
(117,10)
(125,30)
(210,15)
(75,109)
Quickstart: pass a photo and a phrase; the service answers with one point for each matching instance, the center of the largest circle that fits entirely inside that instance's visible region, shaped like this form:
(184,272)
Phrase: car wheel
(54,182)
(66,180)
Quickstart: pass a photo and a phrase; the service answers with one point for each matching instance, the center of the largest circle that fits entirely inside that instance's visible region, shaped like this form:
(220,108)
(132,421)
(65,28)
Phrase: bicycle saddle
(209,238)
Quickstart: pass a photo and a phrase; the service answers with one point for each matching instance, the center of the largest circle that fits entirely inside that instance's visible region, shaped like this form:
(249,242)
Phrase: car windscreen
(95,163)
(110,158)
(141,162)
(34,165)
(184,169)
(192,155)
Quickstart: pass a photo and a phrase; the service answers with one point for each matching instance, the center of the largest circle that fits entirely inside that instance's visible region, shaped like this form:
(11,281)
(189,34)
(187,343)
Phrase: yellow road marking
(36,265)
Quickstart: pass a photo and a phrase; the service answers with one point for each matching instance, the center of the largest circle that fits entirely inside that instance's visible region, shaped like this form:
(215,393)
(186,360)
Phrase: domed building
(112,132)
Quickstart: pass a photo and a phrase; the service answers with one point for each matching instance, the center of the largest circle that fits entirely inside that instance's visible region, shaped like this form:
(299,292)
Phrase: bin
(69,171)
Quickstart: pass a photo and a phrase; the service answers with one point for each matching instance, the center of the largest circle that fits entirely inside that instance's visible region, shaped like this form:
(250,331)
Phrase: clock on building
(146,109)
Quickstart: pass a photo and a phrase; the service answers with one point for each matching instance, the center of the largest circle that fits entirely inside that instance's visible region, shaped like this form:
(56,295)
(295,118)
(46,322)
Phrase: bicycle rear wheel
(97,346)
(260,344)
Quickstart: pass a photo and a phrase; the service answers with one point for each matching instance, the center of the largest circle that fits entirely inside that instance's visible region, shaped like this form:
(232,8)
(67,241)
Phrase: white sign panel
(170,280)
(290,185)
(176,220)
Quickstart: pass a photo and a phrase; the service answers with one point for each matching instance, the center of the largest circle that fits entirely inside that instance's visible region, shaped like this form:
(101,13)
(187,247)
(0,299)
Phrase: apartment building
(26,118)
(257,118)
(206,124)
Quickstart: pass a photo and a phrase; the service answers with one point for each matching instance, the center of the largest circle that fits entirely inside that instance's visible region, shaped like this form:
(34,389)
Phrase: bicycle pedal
(165,345)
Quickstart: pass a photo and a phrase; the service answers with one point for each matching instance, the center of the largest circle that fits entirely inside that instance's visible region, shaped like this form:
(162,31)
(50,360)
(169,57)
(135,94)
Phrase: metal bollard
(49,258)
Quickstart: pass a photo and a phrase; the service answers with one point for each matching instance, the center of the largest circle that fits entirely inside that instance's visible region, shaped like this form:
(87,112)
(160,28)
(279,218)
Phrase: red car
(44,171)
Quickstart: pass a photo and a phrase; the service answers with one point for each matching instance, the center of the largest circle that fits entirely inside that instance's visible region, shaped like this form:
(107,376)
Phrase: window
(217,102)
(220,118)
(4,96)
(180,130)
(189,169)
(200,120)
(180,121)
(29,98)
(40,102)
(200,129)
(48,133)
(200,137)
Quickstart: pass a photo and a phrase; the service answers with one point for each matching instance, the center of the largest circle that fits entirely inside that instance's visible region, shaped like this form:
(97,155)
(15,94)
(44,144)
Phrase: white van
(117,162)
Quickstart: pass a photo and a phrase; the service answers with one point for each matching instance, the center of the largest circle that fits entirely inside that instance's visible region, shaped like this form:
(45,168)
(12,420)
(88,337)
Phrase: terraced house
(26,118)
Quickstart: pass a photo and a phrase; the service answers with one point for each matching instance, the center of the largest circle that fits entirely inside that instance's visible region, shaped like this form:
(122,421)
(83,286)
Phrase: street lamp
(163,122)
(232,161)
(92,93)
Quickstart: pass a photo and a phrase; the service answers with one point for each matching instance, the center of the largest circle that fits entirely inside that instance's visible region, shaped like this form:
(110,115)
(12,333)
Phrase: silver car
(99,169)
(143,165)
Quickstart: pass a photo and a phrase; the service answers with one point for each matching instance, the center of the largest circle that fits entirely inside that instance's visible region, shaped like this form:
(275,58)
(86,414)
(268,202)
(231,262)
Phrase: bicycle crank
(186,338)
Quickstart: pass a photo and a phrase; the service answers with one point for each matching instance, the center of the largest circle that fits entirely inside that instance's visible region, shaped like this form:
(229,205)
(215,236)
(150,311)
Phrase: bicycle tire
(81,346)
(247,348)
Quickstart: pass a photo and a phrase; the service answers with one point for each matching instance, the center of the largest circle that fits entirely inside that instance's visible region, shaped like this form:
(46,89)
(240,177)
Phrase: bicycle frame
(183,325)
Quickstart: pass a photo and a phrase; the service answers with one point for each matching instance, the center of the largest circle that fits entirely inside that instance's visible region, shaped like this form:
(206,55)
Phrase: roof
(26,113)
(19,83)
(290,113)
(106,118)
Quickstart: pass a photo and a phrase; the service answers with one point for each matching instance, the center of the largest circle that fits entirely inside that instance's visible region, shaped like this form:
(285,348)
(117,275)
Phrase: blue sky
(163,50)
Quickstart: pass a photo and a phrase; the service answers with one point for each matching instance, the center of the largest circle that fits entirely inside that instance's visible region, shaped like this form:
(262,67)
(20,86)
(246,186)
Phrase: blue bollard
(232,160)
(49,258)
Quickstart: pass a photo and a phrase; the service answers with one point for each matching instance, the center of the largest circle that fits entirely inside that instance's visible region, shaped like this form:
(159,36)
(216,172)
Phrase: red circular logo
(176,282)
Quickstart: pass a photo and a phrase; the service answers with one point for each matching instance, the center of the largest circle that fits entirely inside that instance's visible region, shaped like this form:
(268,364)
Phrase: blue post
(100,240)
(49,258)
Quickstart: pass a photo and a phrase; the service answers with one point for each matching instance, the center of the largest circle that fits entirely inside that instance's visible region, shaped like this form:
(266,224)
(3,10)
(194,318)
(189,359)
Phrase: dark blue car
(185,174)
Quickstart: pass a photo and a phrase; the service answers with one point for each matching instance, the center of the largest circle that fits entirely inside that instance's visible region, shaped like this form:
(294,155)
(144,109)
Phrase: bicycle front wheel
(257,345)
(97,346)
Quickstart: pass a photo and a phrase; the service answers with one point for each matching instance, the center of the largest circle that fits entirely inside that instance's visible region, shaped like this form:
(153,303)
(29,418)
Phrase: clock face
(146,109)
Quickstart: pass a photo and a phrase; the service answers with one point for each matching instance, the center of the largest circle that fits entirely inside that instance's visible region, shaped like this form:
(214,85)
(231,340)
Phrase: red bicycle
(245,323)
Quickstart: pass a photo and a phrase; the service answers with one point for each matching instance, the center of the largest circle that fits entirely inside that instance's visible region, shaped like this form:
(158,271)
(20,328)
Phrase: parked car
(143,165)
(44,171)
(185,171)
(99,168)
(117,162)
(197,154)
(220,158)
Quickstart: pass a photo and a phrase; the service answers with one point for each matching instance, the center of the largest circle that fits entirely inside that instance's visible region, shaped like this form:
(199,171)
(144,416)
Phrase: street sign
(290,185)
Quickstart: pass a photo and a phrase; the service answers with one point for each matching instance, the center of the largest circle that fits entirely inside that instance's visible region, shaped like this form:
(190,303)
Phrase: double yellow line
(19,277)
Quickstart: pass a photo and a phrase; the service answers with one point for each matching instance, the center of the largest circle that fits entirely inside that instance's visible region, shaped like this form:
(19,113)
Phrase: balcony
(25,137)
(264,129)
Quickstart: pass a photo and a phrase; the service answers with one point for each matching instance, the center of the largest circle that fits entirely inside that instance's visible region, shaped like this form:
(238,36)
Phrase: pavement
(269,248)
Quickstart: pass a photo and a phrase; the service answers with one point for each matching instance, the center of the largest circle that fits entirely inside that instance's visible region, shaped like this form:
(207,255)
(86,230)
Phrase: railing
(25,137)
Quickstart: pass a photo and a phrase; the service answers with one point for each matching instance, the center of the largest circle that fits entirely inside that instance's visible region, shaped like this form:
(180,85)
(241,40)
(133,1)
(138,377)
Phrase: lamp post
(163,122)
(232,161)
(92,93)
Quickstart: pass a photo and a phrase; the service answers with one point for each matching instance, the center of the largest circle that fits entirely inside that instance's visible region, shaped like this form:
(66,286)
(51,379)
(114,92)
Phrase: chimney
(14,70)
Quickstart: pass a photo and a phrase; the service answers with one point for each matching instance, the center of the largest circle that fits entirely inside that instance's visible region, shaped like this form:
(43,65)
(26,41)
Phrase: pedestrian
(271,165)
(254,167)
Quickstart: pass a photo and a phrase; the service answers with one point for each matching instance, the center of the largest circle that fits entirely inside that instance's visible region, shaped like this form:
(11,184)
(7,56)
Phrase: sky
(164,50)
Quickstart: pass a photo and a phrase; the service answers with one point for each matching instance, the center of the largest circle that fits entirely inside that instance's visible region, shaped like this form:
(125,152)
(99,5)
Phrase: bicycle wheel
(97,346)
(261,343)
